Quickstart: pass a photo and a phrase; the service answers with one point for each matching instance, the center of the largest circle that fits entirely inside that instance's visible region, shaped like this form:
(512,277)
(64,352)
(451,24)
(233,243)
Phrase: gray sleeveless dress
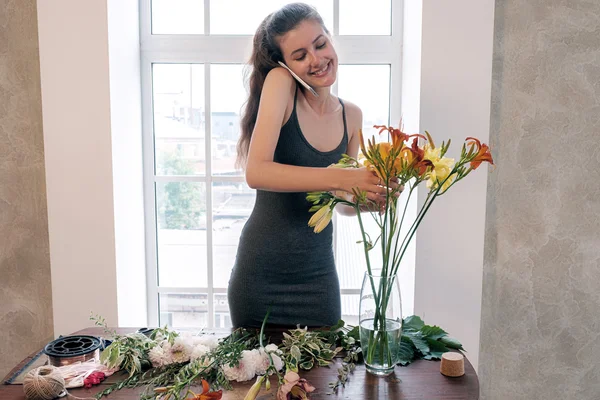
(281,264)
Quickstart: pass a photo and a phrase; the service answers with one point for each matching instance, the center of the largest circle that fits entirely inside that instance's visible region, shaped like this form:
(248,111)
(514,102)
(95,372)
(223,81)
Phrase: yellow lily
(321,218)
(323,222)
(255,389)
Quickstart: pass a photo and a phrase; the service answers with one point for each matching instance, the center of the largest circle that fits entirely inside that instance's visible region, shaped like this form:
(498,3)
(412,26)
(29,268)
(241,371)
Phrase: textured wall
(540,327)
(25,291)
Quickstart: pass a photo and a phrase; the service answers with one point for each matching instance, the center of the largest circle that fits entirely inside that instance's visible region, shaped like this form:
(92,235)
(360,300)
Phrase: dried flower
(93,379)
(294,387)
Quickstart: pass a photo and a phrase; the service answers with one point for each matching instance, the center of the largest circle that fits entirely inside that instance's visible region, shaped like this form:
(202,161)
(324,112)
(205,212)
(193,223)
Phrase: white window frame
(206,49)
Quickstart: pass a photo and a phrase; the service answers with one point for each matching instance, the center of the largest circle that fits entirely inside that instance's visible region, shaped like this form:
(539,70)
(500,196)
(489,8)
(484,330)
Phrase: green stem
(366,249)
(420,217)
(395,252)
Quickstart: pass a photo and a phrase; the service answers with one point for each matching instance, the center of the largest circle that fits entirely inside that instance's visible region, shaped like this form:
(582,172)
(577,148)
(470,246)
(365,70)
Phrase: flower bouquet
(401,164)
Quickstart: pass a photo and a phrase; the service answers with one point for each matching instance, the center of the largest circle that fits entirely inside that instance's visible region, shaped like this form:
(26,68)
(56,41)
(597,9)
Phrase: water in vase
(380,348)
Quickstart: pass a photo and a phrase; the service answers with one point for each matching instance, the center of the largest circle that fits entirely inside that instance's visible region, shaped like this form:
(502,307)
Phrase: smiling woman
(194,97)
(289,137)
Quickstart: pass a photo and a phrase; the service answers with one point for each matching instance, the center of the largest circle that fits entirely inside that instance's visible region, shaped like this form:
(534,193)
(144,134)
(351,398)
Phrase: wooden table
(419,380)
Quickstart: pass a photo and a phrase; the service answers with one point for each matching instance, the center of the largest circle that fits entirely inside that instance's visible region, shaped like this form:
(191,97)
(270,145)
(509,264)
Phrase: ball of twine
(44,383)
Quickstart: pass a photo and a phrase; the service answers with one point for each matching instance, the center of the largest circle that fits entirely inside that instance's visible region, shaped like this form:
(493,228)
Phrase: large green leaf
(436,349)
(419,342)
(412,323)
(406,352)
(433,332)
(452,343)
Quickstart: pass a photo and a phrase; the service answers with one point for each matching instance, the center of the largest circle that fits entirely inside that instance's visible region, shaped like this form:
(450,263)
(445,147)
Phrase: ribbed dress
(281,264)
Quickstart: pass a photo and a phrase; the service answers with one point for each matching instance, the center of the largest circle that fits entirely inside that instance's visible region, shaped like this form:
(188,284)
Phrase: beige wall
(541,286)
(74,71)
(25,289)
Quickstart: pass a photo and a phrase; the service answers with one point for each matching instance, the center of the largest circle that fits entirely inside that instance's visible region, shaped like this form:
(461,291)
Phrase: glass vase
(380,320)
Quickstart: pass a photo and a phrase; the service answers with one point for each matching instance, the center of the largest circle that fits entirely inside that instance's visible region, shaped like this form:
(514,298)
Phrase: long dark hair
(265,56)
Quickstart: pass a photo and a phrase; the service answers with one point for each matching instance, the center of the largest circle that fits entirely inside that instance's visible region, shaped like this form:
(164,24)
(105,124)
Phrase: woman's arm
(354,120)
(263,173)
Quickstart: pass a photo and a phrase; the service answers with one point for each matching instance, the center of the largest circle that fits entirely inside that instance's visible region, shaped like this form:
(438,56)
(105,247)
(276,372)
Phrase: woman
(289,137)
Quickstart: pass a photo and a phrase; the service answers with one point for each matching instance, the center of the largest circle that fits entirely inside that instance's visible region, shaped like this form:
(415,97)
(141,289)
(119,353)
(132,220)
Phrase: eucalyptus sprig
(349,338)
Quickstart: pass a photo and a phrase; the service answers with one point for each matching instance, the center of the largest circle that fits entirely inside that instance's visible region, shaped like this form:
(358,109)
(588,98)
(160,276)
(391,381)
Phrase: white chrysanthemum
(244,371)
(210,341)
(158,356)
(275,355)
(198,351)
(180,350)
(261,361)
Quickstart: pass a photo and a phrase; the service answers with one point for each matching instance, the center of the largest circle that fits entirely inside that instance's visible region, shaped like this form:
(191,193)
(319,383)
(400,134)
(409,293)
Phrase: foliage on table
(242,356)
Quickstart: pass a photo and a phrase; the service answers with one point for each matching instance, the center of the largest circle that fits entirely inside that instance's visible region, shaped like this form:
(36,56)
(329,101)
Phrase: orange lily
(206,395)
(398,137)
(417,159)
(482,152)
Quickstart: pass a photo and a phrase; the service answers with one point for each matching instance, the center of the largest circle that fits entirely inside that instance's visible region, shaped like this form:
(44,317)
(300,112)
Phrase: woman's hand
(361,179)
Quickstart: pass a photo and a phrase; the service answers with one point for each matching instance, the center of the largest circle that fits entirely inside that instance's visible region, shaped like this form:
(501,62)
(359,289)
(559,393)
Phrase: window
(193,54)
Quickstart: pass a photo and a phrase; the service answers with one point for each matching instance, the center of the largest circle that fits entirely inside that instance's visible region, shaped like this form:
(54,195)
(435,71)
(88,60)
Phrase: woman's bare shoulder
(279,76)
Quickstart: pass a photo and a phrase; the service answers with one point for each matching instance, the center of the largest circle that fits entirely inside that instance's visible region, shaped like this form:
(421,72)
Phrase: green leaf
(295,352)
(307,364)
(419,342)
(340,324)
(413,322)
(452,343)
(327,354)
(323,363)
(406,352)
(433,332)
(315,347)
(354,333)
(436,349)
(113,357)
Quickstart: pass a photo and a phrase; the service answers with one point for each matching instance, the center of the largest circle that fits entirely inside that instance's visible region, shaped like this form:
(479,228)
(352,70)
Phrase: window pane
(372,96)
(183,310)
(226,100)
(249,14)
(232,204)
(181,234)
(350,303)
(350,256)
(222,317)
(178,106)
(177,17)
(356,18)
